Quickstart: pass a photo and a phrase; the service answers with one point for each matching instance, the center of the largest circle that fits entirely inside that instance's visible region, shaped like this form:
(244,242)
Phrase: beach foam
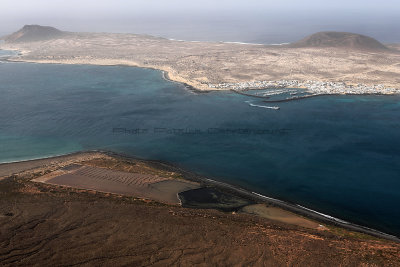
(261,106)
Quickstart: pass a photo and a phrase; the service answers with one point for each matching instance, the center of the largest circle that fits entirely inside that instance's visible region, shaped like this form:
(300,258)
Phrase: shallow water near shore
(338,155)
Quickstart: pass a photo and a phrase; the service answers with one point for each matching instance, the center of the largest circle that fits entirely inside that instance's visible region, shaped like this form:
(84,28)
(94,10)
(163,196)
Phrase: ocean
(339,155)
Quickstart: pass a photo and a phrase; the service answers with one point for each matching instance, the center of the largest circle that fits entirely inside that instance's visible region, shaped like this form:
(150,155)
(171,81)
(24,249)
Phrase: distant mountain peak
(340,40)
(32,33)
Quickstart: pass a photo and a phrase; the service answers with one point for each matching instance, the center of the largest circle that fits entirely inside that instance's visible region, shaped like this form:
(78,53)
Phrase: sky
(213,20)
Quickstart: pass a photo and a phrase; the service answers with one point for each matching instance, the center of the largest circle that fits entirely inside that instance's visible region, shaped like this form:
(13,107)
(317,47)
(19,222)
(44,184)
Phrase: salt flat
(148,186)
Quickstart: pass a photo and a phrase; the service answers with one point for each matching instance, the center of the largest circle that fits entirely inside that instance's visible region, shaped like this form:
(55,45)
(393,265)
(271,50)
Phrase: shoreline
(229,188)
(194,86)
(236,189)
(45,157)
(165,75)
(317,95)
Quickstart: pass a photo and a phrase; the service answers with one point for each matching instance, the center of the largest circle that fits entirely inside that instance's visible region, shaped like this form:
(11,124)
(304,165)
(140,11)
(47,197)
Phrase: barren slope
(45,225)
(32,33)
(340,40)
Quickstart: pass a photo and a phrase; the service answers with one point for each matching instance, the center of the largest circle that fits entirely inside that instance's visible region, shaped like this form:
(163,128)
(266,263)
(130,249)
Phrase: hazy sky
(250,20)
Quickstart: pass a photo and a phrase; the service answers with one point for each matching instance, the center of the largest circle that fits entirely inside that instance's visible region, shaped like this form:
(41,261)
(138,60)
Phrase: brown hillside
(32,33)
(340,40)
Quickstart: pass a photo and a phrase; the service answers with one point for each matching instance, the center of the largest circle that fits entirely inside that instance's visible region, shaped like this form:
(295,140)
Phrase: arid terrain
(201,63)
(48,224)
(95,208)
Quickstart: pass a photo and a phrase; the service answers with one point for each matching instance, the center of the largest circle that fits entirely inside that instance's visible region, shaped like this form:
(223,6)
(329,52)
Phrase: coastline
(41,158)
(94,206)
(318,95)
(186,83)
(169,73)
(221,186)
(61,225)
(166,72)
(166,76)
(293,207)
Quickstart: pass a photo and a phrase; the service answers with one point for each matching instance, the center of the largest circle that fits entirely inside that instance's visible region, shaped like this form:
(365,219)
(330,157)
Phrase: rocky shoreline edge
(231,189)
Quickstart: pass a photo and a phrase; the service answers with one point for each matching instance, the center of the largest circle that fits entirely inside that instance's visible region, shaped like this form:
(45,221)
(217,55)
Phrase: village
(314,87)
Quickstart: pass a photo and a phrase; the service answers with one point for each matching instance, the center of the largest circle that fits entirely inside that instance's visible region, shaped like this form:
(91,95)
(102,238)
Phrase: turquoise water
(337,155)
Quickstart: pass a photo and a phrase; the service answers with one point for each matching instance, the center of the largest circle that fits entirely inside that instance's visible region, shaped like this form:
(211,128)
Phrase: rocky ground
(43,225)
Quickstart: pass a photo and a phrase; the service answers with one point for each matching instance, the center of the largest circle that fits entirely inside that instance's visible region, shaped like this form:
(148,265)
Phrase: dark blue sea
(338,155)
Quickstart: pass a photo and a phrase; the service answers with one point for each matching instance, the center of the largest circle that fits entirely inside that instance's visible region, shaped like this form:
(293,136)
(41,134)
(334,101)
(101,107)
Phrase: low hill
(32,33)
(340,40)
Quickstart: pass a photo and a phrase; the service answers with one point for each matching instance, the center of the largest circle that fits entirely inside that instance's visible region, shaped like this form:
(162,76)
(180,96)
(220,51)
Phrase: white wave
(194,41)
(261,106)
(280,44)
(177,40)
(324,215)
(241,43)
(39,158)
(270,198)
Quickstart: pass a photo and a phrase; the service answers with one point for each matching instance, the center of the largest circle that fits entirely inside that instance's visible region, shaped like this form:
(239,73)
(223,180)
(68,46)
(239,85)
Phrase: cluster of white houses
(314,87)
